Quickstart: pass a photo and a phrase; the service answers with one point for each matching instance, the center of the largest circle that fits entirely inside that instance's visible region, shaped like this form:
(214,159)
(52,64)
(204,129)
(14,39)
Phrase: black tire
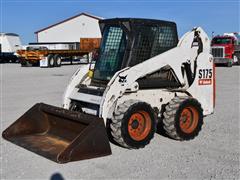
(229,64)
(36,64)
(50,60)
(122,131)
(25,63)
(237,59)
(176,125)
(57,60)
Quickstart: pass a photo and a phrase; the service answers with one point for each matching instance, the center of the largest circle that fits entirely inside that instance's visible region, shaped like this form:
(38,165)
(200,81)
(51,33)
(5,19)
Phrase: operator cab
(130,41)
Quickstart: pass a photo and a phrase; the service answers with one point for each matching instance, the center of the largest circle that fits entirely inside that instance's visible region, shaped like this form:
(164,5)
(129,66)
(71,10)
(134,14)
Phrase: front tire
(133,124)
(229,64)
(25,63)
(183,118)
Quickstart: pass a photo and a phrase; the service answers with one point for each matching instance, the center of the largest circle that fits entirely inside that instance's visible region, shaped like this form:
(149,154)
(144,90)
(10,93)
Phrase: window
(222,41)
(112,52)
(143,44)
(151,41)
(165,39)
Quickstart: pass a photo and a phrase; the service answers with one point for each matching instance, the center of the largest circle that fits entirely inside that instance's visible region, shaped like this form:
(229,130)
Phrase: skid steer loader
(142,75)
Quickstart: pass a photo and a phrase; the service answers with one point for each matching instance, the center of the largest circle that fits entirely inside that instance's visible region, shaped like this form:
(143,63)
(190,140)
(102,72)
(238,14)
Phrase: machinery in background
(143,75)
(53,54)
(9,44)
(226,49)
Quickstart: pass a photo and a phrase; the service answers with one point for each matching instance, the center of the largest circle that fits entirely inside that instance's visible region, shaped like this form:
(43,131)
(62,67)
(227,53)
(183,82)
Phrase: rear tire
(133,124)
(50,59)
(57,60)
(183,118)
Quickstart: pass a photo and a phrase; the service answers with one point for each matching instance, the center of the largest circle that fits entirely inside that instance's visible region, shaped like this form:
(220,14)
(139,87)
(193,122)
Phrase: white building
(71,30)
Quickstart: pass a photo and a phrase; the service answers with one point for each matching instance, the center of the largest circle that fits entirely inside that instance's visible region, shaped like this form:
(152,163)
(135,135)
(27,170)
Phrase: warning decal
(204,81)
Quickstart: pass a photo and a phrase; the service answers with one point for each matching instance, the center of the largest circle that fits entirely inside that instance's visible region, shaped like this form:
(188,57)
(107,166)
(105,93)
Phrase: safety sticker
(204,81)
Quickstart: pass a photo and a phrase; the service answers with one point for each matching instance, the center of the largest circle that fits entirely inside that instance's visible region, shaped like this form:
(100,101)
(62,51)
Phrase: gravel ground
(214,154)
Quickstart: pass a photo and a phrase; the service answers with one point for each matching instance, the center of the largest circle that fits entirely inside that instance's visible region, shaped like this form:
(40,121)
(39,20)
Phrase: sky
(25,17)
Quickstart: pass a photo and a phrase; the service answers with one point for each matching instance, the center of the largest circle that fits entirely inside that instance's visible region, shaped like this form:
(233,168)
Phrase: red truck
(226,49)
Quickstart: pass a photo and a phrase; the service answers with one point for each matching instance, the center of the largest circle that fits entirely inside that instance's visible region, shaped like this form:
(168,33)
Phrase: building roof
(81,14)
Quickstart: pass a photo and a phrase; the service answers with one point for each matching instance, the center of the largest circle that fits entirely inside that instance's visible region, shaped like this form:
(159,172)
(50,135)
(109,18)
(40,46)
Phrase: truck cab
(225,50)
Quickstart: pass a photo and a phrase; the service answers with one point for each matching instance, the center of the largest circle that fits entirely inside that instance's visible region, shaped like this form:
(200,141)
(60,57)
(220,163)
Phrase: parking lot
(214,154)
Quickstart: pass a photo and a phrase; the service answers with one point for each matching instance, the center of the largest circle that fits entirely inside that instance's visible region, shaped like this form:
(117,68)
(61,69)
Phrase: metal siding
(71,31)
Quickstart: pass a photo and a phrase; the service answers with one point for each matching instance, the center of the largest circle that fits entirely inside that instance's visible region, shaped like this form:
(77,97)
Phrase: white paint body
(10,42)
(117,92)
(71,30)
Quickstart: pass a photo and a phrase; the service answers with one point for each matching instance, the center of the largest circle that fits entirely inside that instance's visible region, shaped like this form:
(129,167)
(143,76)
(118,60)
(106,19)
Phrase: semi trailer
(52,54)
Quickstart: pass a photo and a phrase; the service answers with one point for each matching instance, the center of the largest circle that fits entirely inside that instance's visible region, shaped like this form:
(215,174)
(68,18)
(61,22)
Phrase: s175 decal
(205,77)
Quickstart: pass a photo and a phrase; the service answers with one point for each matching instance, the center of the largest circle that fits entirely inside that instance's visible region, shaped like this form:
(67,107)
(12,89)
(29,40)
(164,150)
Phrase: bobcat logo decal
(122,79)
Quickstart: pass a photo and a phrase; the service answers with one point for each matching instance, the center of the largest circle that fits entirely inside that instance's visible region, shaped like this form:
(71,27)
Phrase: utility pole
(212,34)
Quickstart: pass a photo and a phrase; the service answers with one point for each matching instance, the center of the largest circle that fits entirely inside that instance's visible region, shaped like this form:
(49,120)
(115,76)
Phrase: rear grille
(218,52)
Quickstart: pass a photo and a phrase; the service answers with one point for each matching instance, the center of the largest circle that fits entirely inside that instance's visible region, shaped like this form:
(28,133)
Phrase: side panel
(10,43)
(203,87)
(14,42)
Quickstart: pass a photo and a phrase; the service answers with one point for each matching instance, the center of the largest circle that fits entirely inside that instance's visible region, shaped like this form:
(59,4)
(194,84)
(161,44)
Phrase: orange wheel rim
(189,119)
(139,125)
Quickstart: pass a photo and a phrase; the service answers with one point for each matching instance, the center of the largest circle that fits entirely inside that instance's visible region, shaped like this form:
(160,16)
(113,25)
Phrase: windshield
(221,41)
(111,53)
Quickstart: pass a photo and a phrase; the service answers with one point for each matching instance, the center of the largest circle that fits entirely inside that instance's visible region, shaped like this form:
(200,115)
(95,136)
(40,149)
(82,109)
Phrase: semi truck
(9,44)
(226,49)
(52,55)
